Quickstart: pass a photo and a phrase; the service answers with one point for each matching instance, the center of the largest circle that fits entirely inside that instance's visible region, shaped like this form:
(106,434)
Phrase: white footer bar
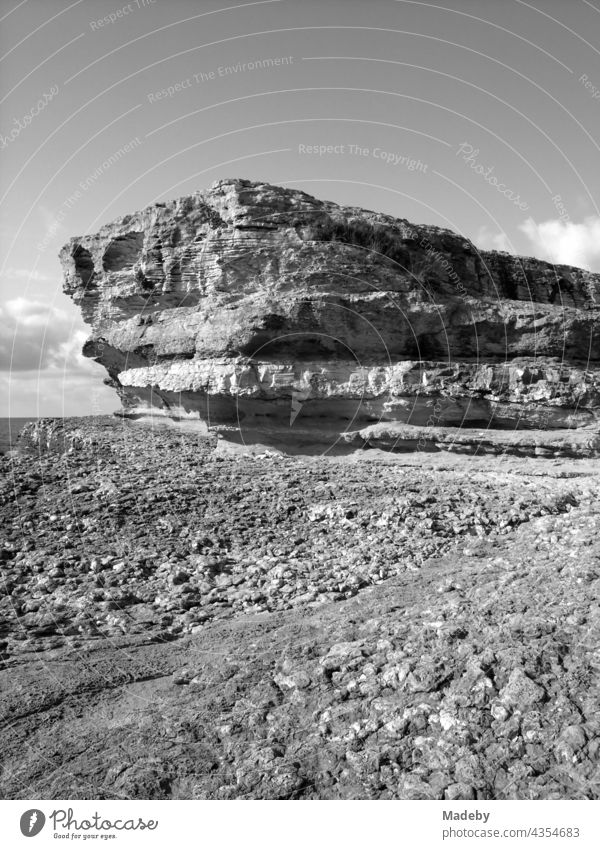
(286,825)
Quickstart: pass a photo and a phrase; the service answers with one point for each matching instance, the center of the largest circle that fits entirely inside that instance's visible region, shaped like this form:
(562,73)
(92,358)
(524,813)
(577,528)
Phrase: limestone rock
(521,692)
(270,316)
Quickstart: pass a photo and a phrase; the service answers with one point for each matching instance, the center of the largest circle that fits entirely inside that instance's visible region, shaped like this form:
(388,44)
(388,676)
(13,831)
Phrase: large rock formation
(274,317)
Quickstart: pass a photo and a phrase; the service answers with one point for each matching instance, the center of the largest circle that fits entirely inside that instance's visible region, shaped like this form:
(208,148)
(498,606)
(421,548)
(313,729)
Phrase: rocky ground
(179,621)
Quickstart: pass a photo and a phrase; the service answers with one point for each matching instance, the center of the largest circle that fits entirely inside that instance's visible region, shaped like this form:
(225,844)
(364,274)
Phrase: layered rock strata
(270,316)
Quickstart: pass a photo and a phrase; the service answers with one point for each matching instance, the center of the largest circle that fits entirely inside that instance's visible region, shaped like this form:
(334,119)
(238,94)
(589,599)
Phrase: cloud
(35,336)
(565,242)
(28,274)
(42,369)
(487,240)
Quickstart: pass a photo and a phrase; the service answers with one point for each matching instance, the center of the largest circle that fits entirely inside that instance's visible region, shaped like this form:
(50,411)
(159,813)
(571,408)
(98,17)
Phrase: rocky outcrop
(270,316)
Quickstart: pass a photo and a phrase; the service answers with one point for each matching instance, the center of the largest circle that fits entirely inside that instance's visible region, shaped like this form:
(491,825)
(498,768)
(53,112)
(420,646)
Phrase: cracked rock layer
(270,316)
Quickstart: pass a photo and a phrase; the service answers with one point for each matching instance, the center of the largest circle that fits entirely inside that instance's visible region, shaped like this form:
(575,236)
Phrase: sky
(482,116)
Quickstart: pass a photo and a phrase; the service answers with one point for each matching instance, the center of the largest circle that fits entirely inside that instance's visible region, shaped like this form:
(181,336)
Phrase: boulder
(268,316)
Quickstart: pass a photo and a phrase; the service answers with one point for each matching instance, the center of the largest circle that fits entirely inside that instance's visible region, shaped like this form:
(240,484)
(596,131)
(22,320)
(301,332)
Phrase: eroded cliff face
(270,316)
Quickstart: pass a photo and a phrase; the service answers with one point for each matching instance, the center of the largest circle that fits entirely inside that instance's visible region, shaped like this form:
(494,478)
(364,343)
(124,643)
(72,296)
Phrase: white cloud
(487,240)
(35,335)
(68,354)
(565,242)
(42,369)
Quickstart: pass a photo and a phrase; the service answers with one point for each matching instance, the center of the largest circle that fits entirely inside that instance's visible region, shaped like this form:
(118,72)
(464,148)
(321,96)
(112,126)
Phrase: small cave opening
(272,321)
(426,346)
(296,346)
(84,264)
(142,280)
(123,252)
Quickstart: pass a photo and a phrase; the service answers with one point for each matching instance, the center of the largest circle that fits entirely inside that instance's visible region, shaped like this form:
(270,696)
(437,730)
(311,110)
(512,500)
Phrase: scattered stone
(194,635)
(521,692)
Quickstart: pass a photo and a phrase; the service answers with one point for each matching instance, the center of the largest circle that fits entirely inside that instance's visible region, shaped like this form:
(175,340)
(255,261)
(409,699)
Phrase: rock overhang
(257,307)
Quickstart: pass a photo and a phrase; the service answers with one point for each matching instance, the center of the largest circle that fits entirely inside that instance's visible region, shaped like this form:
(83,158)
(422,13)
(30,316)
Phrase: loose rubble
(179,622)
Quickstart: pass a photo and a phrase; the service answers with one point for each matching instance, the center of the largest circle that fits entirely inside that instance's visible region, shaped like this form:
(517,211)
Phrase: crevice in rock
(123,252)
(84,264)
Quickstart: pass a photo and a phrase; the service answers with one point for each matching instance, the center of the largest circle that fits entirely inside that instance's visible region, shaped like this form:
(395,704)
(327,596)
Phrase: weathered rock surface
(270,316)
(180,623)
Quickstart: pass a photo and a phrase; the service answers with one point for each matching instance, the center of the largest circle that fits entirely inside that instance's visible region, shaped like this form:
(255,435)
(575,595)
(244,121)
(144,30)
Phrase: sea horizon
(11,426)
